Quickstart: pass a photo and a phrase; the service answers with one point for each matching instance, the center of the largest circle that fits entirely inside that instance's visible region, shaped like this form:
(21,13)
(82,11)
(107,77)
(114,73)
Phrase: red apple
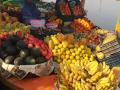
(27,35)
(19,33)
(30,45)
(37,46)
(31,42)
(47,57)
(2,36)
(26,41)
(5,14)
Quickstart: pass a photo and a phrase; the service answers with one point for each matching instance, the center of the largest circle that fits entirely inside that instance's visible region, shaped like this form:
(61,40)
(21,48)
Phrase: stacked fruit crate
(111,52)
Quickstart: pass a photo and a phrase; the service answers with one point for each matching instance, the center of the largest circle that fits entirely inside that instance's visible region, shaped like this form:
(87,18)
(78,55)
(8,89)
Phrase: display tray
(110,48)
(113,60)
(111,52)
(22,71)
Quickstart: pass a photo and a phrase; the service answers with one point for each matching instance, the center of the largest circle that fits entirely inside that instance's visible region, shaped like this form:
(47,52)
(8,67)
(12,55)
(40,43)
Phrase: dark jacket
(30,12)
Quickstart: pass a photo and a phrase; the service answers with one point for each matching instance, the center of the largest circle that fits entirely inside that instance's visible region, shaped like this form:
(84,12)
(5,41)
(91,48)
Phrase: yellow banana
(106,69)
(50,44)
(104,65)
(82,86)
(55,40)
(86,87)
(96,76)
(102,31)
(104,80)
(111,76)
(92,67)
(109,39)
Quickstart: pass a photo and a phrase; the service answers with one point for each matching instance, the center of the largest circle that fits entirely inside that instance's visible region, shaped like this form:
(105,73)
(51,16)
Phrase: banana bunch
(55,45)
(84,72)
(109,38)
(106,69)
(103,83)
(54,39)
(100,55)
(101,31)
(95,77)
(62,87)
(92,67)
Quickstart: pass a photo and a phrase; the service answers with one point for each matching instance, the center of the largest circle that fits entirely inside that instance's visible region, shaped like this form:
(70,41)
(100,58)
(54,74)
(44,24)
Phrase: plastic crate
(110,48)
(113,60)
(111,51)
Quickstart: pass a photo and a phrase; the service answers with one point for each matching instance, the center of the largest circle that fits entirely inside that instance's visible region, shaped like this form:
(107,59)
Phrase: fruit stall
(58,54)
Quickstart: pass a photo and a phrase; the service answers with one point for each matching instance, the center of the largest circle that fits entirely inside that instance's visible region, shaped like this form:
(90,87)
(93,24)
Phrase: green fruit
(21,45)
(40,60)
(30,60)
(13,39)
(9,60)
(3,54)
(35,52)
(11,50)
(6,44)
(24,53)
(19,61)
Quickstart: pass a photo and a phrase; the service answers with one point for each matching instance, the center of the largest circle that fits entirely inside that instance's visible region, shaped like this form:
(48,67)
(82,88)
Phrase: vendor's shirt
(30,12)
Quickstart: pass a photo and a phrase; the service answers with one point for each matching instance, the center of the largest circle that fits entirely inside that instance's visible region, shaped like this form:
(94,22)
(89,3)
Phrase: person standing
(30,11)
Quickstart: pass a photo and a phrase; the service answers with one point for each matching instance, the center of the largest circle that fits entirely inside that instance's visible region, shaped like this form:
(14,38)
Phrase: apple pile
(5,35)
(31,42)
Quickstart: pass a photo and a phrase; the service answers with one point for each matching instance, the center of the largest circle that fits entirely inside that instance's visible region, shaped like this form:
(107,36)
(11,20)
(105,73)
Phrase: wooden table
(37,83)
